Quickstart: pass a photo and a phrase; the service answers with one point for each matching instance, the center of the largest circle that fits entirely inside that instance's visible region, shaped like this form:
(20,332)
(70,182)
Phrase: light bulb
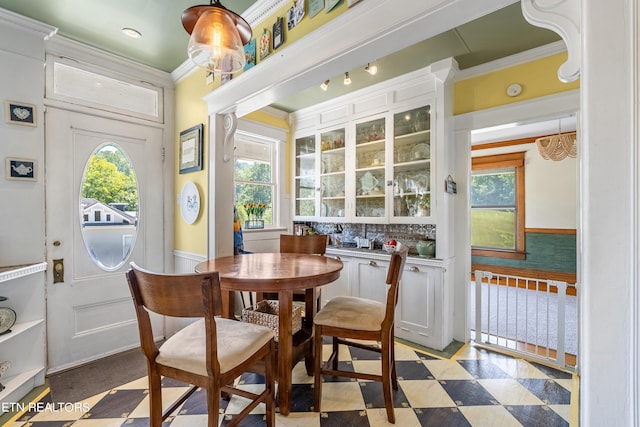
(215,43)
(325,85)
(347,79)
(371,69)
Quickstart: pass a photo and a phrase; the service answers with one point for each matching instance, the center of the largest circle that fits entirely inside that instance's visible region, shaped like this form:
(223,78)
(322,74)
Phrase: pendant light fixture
(557,147)
(218,36)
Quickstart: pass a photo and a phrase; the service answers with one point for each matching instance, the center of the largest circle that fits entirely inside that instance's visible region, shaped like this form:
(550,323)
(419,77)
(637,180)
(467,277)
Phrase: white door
(90,313)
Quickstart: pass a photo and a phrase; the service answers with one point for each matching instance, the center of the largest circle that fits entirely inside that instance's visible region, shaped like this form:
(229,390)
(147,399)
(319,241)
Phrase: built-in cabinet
(24,346)
(372,170)
(423,313)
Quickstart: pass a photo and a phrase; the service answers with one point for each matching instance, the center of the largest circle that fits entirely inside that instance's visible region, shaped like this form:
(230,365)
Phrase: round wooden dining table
(282,273)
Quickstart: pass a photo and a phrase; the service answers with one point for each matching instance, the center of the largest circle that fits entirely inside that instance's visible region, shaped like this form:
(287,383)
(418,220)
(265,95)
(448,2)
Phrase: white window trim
(251,130)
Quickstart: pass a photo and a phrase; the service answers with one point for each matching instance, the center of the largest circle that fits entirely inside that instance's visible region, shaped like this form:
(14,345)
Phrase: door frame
(538,109)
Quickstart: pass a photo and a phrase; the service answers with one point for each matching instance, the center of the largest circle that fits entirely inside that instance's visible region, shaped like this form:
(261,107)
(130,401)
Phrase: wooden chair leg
(387,380)
(335,350)
(213,405)
(155,399)
(317,371)
(270,375)
(394,376)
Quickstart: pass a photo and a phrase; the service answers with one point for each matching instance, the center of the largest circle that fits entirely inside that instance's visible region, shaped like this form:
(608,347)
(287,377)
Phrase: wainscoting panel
(185,262)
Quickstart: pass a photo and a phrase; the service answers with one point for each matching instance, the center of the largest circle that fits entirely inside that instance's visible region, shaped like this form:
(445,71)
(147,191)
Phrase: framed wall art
(250,54)
(265,44)
(315,7)
(278,33)
(191,149)
(21,169)
(20,113)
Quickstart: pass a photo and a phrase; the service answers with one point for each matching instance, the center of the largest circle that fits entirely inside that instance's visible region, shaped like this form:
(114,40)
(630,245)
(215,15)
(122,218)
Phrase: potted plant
(254,215)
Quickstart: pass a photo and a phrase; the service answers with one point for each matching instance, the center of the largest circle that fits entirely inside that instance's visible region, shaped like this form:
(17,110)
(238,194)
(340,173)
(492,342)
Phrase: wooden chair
(209,353)
(352,318)
(315,244)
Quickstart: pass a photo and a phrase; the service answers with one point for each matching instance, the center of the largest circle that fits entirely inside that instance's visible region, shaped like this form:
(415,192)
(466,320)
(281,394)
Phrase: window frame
(498,161)
(276,167)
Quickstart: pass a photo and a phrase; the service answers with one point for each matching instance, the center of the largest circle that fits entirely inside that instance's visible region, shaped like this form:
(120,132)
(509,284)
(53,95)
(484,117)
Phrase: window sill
(494,253)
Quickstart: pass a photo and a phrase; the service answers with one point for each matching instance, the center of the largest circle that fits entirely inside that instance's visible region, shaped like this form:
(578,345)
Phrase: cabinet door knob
(373,263)
(414,269)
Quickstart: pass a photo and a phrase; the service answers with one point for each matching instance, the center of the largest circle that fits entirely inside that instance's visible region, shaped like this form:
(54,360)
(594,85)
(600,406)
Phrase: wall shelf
(16,271)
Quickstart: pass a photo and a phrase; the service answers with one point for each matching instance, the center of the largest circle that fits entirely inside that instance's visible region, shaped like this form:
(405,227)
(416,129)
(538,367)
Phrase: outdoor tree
(109,179)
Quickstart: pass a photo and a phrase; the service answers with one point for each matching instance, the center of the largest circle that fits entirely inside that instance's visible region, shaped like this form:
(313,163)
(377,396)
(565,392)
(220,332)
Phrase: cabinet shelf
(16,271)
(409,138)
(17,386)
(20,328)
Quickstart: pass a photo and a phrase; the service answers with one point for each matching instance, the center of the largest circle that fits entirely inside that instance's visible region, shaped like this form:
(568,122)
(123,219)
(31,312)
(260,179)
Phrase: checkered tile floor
(473,388)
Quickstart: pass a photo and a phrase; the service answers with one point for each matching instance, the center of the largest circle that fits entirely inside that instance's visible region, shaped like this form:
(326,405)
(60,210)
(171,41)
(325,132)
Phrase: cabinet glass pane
(412,163)
(332,175)
(370,193)
(370,168)
(305,176)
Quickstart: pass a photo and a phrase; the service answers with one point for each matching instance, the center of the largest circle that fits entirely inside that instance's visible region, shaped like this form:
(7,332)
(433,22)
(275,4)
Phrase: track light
(325,85)
(347,79)
(371,69)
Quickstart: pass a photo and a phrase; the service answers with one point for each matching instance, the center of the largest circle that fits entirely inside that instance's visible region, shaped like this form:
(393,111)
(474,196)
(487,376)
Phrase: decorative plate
(368,182)
(421,152)
(7,319)
(190,202)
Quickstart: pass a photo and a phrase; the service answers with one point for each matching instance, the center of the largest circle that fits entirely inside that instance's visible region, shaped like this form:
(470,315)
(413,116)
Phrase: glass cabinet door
(332,174)
(370,160)
(412,163)
(305,176)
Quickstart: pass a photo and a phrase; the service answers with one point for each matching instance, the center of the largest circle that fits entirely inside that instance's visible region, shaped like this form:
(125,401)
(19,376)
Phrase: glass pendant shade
(215,43)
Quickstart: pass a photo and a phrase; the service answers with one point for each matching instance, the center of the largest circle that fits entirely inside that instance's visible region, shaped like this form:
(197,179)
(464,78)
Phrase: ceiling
(163,44)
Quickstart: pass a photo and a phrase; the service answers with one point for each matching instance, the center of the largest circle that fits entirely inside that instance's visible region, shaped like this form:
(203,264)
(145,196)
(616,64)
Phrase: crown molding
(22,22)
(261,10)
(512,61)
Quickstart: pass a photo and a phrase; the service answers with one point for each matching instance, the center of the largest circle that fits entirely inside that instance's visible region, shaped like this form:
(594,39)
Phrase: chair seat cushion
(237,341)
(352,313)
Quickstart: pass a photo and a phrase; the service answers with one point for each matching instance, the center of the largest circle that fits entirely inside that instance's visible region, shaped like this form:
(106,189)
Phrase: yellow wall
(537,78)
(191,110)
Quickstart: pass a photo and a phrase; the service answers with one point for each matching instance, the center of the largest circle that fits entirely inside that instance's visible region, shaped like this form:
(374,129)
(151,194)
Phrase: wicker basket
(265,313)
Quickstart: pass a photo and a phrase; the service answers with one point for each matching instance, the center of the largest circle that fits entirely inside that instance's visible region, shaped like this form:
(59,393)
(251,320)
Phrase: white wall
(22,80)
(550,187)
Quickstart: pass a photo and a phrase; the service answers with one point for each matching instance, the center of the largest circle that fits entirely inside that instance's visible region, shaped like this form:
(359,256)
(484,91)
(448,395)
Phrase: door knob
(58,270)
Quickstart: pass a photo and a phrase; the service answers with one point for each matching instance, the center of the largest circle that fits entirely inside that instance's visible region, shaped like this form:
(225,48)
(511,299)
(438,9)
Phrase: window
(497,206)
(255,175)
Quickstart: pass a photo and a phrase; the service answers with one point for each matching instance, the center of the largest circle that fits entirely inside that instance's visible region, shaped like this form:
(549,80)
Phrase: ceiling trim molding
(261,10)
(24,22)
(513,60)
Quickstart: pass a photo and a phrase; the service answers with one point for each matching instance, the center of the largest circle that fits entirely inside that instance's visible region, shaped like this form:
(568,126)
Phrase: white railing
(532,317)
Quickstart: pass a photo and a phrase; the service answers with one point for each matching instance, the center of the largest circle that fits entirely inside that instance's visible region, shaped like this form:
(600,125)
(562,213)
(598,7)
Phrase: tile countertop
(380,254)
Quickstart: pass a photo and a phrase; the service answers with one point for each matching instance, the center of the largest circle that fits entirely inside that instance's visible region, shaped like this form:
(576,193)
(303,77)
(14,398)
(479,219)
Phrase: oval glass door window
(109,208)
